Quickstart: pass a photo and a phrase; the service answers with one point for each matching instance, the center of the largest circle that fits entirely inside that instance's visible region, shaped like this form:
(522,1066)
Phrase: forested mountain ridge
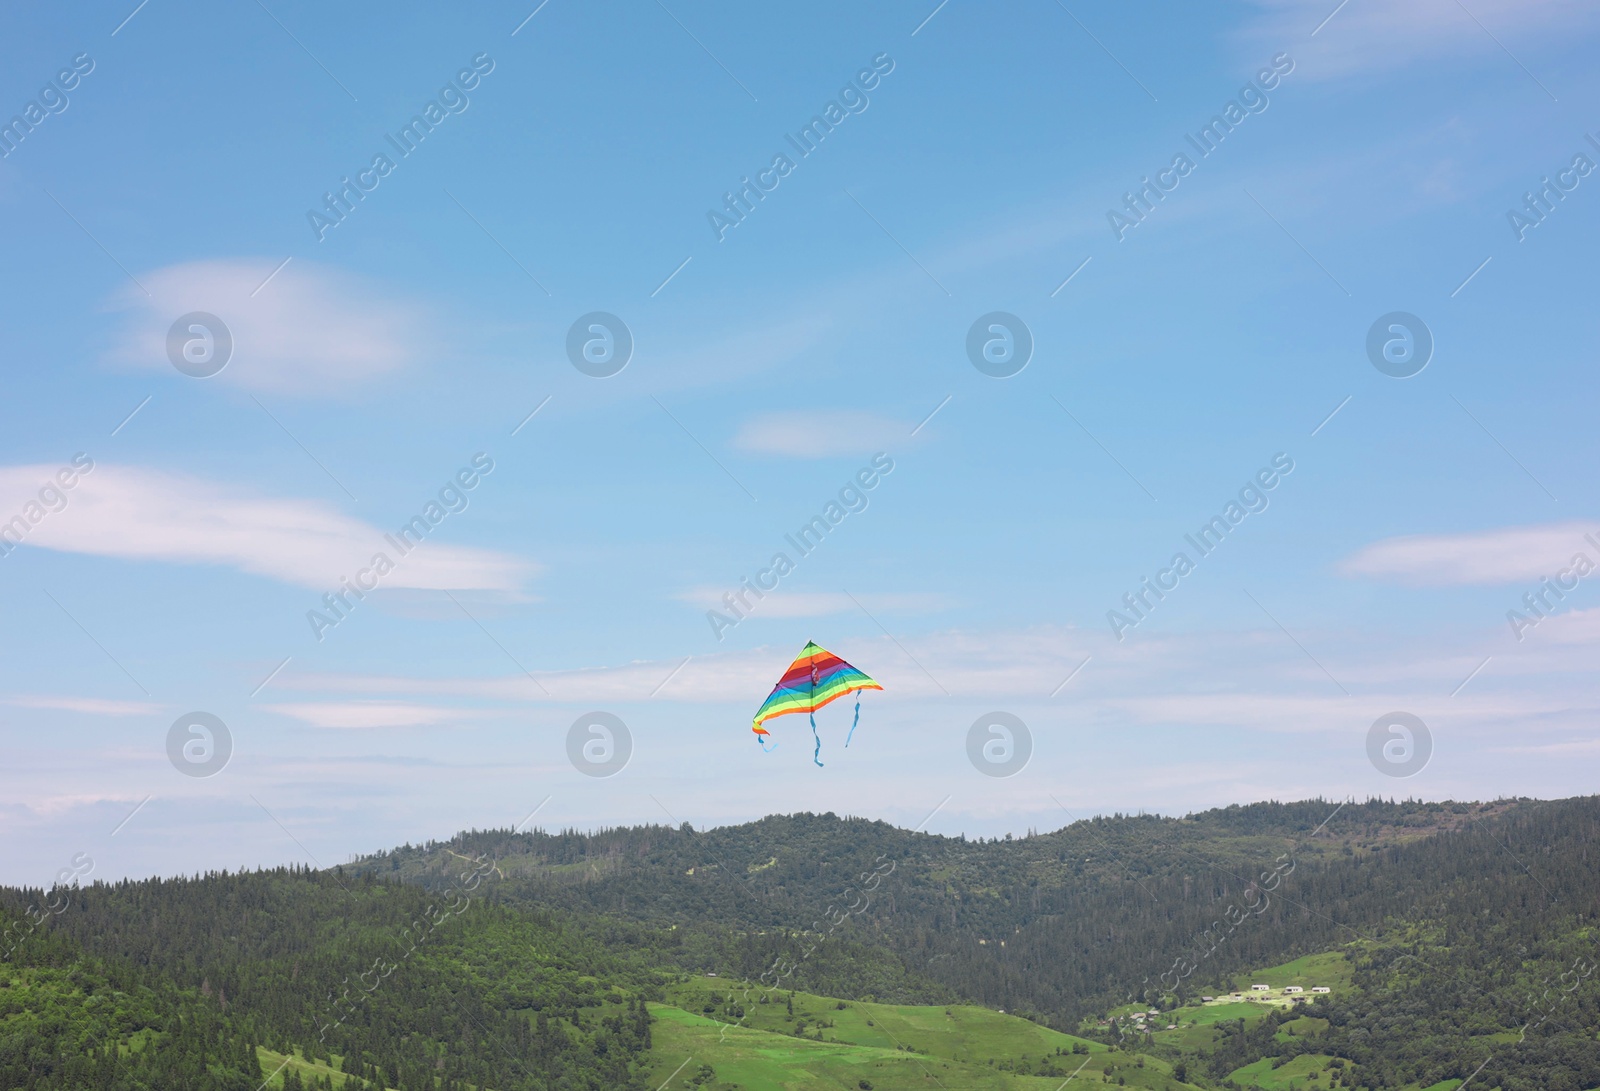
(393,985)
(499,961)
(1064,923)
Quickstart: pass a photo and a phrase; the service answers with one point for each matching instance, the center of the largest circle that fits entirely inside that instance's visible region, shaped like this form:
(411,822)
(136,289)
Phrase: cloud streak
(309,330)
(135,513)
(91,706)
(797,604)
(821,433)
(1506,556)
(370,714)
(1362,37)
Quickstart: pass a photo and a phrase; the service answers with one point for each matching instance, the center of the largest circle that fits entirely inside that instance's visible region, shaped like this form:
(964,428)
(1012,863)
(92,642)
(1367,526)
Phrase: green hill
(1067,923)
(884,1047)
(1456,940)
(957,1032)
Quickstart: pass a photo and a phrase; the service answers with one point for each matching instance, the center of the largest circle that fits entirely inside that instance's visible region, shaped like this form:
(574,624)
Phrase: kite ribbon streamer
(855,721)
(818,738)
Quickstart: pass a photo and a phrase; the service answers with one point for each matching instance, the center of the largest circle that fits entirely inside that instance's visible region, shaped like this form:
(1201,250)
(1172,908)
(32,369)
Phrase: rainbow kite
(816,677)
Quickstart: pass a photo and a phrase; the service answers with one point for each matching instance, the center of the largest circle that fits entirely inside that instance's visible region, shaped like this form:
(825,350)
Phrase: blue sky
(373,363)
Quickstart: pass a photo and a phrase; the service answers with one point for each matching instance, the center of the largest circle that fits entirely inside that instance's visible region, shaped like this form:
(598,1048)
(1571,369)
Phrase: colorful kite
(816,677)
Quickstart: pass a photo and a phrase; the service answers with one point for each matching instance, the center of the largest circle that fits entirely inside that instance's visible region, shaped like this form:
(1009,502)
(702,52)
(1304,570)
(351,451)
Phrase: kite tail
(854,721)
(762,742)
(814,735)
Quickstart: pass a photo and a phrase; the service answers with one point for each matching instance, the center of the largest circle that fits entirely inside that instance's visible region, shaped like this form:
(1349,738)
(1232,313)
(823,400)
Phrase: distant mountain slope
(1065,923)
(1461,938)
(408,989)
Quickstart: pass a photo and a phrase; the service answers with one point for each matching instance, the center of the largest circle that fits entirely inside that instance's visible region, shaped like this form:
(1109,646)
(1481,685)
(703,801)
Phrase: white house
(1319,988)
(1293,989)
(1207,999)
(1260,988)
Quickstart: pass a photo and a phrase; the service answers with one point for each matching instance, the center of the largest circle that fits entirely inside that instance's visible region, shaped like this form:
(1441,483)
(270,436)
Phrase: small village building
(1293,989)
(1319,988)
(1260,988)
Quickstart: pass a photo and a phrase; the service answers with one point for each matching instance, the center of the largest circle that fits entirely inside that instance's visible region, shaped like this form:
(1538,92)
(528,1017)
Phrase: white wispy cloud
(793,604)
(136,513)
(1206,678)
(691,358)
(311,330)
(822,433)
(1579,628)
(1502,556)
(1364,36)
(94,706)
(1019,665)
(366,714)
